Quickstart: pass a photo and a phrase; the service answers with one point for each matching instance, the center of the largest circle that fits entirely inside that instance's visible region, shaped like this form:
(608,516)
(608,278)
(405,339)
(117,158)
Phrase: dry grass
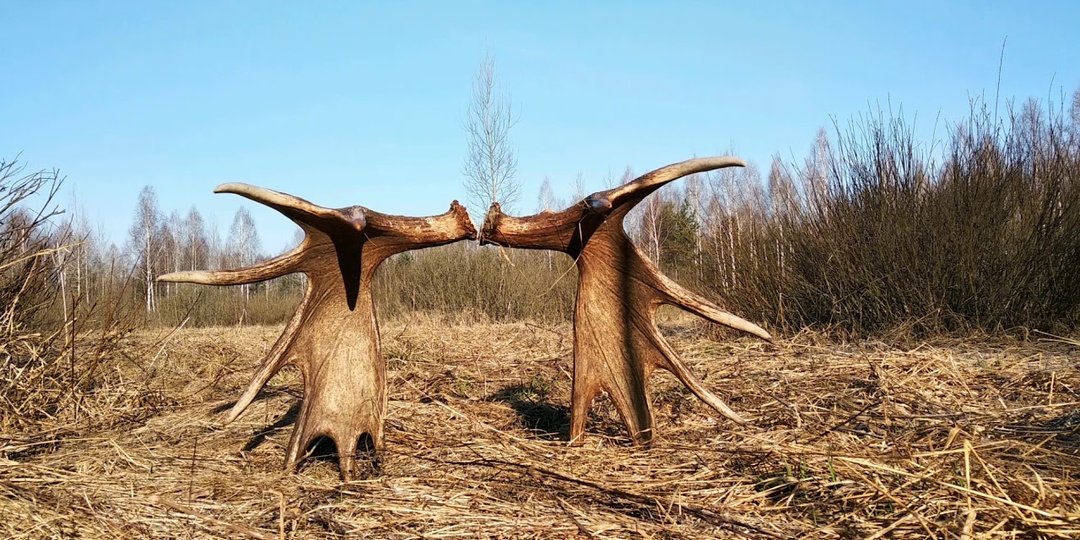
(947,440)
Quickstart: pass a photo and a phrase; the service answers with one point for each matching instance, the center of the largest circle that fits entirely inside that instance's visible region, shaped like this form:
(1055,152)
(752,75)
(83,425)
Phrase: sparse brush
(51,358)
(461,279)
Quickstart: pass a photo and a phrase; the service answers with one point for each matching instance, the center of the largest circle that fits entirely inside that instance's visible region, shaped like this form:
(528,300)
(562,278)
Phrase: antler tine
(274,361)
(546,230)
(645,184)
(297,209)
(678,296)
(676,366)
(273,268)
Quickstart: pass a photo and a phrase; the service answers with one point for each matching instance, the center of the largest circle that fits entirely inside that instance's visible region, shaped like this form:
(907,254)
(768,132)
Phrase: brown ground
(953,440)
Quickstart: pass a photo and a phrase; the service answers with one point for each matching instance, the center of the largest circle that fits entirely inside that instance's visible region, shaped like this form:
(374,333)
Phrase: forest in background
(875,232)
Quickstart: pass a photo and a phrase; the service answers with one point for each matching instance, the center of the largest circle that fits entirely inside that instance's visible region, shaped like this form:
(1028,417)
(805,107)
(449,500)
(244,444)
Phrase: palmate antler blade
(333,338)
(617,344)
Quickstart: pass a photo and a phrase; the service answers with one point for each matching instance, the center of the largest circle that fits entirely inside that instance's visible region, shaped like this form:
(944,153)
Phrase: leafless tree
(491,163)
(545,202)
(698,200)
(144,239)
(817,173)
(651,225)
(243,244)
(196,245)
(63,258)
(578,187)
(27,275)
(545,199)
(1074,110)
(171,250)
(735,193)
(783,194)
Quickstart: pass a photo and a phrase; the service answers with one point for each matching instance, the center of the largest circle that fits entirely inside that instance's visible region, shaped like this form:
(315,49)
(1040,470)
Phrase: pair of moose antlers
(333,338)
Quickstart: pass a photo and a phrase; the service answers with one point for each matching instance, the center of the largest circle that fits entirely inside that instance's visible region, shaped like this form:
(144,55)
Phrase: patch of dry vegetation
(949,440)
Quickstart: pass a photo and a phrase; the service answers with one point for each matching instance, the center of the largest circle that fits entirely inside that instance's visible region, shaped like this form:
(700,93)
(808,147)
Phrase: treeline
(875,231)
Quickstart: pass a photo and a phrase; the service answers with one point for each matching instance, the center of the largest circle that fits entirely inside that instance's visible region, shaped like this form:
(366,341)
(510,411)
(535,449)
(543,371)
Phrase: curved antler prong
(300,210)
(637,189)
(278,266)
(676,366)
(274,361)
(678,296)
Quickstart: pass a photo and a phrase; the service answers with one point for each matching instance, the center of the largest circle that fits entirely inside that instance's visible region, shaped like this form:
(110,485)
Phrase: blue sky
(348,103)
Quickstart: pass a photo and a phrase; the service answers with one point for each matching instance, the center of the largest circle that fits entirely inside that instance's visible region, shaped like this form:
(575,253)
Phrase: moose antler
(617,344)
(334,335)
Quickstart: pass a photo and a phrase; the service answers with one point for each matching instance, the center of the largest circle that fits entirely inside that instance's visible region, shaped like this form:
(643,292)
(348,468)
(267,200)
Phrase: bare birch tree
(817,174)
(545,202)
(491,163)
(170,247)
(578,188)
(545,199)
(698,201)
(652,227)
(243,244)
(144,239)
(195,242)
(1074,109)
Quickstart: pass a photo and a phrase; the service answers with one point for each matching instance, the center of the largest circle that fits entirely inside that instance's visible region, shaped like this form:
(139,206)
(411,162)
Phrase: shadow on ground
(547,421)
(286,420)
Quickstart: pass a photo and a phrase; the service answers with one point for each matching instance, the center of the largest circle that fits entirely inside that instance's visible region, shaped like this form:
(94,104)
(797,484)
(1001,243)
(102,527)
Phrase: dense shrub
(879,233)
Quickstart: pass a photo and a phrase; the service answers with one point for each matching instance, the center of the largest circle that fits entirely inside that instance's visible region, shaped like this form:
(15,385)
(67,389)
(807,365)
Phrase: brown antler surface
(333,338)
(617,344)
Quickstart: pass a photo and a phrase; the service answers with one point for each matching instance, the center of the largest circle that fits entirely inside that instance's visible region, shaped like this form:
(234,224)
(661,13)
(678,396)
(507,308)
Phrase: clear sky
(348,102)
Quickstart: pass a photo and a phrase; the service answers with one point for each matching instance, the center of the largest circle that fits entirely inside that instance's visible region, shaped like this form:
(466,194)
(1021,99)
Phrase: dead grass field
(947,439)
